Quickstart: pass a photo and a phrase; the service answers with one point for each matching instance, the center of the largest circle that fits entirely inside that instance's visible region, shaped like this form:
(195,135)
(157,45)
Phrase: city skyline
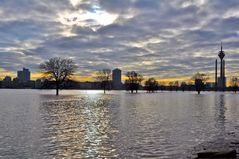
(25,75)
(116,73)
(168,40)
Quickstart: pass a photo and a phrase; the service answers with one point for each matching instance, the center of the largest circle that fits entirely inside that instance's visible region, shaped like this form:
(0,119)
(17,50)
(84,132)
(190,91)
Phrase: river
(90,124)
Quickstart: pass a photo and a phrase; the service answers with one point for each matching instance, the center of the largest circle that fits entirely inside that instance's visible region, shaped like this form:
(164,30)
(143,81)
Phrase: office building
(24,75)
(116,77)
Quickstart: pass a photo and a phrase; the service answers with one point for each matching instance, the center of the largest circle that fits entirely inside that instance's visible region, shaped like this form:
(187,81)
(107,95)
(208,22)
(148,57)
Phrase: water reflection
(78,127)
(217,130)
(220,117)
(116,125)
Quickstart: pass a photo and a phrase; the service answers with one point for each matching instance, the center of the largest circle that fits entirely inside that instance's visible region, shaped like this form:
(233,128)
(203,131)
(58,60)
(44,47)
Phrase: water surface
(89,124)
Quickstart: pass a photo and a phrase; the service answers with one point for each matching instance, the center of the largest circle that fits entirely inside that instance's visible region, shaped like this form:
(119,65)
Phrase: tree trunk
(104,87)
(198,92)
(57,88)
(132,91)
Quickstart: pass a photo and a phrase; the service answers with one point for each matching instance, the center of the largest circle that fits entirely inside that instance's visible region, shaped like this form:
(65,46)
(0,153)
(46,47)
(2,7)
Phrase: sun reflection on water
(79,128)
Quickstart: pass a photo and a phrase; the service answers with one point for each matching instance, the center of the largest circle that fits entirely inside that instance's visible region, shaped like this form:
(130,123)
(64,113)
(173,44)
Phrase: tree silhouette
(171,84)
(162,86)
(234,83)
(176,85)
(183,86)
(104,77)
(133,81)
(199,81)
(151,85)
(58,70)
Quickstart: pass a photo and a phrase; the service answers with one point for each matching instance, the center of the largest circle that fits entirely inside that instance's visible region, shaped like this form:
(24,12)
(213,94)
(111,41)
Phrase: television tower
(222,78)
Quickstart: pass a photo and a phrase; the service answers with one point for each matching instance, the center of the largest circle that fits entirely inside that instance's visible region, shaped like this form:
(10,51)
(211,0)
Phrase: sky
(165,39)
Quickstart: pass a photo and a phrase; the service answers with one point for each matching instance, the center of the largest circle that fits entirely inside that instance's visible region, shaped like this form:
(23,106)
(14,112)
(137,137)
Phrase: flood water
(89,124)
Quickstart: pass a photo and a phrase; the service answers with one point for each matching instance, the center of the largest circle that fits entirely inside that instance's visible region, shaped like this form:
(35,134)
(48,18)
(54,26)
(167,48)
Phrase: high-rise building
(221,81)
(24,75)
(116,76)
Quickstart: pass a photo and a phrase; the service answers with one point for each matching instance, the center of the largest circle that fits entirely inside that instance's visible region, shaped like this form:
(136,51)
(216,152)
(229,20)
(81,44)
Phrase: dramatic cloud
(161,38)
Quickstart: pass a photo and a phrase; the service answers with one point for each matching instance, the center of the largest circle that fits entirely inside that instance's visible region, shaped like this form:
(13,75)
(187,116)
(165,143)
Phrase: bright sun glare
(95,17)
(75,2)
(101,17)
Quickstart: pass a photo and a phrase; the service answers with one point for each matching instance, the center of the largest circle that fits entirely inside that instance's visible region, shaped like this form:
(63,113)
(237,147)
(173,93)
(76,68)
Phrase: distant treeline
(71,84)
(58,72)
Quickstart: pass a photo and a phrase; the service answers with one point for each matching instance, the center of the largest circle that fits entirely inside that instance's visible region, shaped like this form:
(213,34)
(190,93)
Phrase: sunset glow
(161,39)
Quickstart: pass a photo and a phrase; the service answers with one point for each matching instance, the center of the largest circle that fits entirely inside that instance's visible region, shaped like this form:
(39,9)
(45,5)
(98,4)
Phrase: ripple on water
(116,125)
(79,127)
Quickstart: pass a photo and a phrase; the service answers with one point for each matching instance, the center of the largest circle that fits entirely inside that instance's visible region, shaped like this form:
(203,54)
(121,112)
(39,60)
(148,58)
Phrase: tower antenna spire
(221,45)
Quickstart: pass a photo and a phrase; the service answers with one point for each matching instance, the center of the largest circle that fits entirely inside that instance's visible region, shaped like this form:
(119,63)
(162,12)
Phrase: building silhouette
(116,77)
(24,75)
(220,82)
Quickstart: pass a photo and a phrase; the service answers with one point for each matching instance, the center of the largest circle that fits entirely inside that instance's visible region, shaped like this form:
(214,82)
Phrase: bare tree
(104,77)
(171,85)
(176,85)
(234,83)
(200,80)
(162,86)
(151,85)
(58,70)
(183,86)
(133,81)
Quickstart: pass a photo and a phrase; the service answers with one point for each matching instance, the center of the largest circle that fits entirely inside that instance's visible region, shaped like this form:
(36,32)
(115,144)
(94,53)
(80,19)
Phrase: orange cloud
(4,73)
(35,76)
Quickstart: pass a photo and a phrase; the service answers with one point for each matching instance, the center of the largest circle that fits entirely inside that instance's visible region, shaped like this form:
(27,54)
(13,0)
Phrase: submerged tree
(183,86)
(151,85)
(176,85)
(104,76)
(162,86)
(58,70)
(234,83)
(133,81)
(199,81)
(171,86)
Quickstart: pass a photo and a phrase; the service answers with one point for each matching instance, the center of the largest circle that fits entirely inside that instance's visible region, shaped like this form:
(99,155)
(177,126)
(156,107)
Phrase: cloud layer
(160,38)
